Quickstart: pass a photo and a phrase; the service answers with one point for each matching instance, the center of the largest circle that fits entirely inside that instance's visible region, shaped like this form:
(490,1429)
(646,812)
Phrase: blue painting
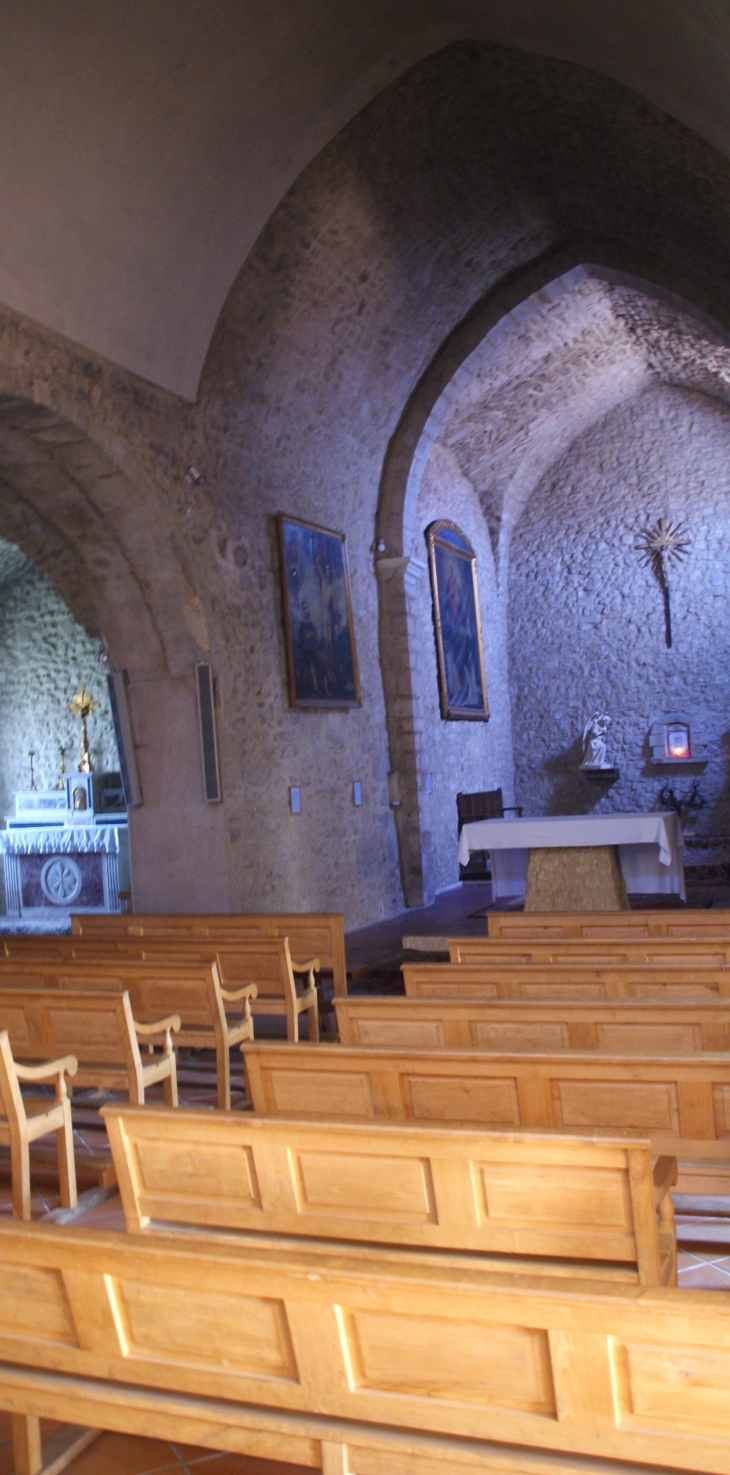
(460,653)
(320,639)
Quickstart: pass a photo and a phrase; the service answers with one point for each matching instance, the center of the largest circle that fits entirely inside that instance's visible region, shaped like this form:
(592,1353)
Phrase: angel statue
(594,741)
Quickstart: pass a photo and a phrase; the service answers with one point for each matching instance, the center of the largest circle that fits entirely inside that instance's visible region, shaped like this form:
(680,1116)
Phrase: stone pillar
(398,579)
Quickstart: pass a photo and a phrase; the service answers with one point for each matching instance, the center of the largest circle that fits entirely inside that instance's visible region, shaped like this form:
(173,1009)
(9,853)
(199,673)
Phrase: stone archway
(103,542)
(400,562)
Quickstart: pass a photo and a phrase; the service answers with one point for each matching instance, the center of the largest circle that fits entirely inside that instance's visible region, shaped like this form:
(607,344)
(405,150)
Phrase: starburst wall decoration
(659,546)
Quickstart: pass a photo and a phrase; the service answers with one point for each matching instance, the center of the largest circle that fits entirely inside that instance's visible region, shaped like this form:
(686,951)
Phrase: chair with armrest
(26,1119)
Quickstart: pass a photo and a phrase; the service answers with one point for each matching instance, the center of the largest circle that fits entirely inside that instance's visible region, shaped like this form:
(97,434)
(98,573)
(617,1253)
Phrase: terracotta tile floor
(126,1454)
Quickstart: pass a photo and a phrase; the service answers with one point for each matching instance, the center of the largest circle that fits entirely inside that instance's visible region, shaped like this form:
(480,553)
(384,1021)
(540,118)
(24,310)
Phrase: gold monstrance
(82,705)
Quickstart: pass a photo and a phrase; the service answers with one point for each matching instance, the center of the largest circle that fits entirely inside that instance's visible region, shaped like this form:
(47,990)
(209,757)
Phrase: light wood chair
(26,1119)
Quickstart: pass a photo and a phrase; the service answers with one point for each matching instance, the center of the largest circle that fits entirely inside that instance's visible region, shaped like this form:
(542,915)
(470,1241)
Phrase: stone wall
(44,656)
(587,622)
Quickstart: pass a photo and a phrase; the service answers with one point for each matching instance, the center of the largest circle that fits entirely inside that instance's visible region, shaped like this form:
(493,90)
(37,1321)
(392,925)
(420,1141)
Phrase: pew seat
(99,1029)
(26,1118)
(570,1204)
(630,1028)
(580,980)
(311,934)
(193,991)
(306,1350)
(682,1102)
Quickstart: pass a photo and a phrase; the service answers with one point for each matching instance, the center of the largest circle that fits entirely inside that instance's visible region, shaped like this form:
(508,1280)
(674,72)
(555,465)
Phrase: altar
(580,862)
(66,850)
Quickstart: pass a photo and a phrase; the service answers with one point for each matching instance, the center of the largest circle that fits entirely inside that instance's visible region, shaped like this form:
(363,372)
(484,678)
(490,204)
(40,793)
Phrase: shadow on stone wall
(572,793)
(719,816)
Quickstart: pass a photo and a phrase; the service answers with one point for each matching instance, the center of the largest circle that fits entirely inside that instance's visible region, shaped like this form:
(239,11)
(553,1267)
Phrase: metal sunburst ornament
(659,546)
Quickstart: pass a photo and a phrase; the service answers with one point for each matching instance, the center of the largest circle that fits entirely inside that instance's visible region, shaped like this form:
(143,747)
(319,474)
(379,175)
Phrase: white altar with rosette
(51,871)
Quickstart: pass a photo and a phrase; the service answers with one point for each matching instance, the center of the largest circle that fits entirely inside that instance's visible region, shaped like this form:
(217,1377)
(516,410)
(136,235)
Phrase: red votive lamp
(678,742)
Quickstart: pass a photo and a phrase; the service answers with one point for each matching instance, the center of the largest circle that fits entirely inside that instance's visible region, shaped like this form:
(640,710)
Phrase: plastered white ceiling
(144,143)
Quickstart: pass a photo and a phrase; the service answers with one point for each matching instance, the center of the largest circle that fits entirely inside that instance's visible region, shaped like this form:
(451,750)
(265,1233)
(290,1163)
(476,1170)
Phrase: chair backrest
(584,980)
(10,1092)
(44,1023)
(484,805)
(155,988)
(546,1026)
(520,1193)
(673,922)
(681,1101)
(311,934)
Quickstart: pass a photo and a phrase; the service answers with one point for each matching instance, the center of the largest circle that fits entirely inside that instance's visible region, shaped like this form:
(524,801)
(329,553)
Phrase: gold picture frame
(457,620)
(320,635)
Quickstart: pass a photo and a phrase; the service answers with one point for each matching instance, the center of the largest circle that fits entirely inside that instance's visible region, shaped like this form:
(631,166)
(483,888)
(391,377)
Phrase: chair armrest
(231,995)
(160,1027)
(665,1176)
(513,809)
(67,1065)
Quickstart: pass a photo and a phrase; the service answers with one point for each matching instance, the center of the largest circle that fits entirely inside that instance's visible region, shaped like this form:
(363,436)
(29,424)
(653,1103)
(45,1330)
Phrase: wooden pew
(192,991)
(100,1030)
(681,1101)
(545,1026)
(558,1200)
(26,1118)
(674,922)
(302,1349)
(265,962)
(700,952)
(658,981)
(311,934)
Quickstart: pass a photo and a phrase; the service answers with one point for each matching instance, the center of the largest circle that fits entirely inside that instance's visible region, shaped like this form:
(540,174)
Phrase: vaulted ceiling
(143,145)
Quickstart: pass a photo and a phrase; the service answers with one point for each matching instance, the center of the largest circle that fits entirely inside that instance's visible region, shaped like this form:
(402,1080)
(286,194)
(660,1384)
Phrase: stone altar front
(51,871)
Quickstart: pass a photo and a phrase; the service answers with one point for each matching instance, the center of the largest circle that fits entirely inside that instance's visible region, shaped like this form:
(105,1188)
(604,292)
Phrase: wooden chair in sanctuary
(486,804)
(26,1118)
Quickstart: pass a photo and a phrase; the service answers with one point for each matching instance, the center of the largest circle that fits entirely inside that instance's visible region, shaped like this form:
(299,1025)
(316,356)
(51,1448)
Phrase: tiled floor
(125,1454)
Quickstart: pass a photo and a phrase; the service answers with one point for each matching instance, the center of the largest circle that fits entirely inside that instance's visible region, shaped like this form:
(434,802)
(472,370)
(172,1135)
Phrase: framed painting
(459,648)
(320,637)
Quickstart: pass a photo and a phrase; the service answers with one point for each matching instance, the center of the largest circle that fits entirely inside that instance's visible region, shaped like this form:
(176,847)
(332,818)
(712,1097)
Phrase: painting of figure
(462,683)
(320,639)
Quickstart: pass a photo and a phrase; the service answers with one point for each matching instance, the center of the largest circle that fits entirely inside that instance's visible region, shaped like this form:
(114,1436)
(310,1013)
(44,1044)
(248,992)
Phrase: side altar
(67,849)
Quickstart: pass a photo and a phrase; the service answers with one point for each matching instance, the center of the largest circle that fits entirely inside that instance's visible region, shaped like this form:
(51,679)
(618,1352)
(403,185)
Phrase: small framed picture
(459,648)
(320,638)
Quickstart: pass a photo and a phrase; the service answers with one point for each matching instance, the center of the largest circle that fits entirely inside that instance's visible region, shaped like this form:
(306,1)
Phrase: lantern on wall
(675,741)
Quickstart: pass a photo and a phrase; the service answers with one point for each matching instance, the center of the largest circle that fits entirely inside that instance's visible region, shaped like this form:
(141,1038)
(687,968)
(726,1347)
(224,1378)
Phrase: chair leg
(313,1015)
(20,1172)
(223,1073)
(26,1431)
(66,1160)
(169,1085)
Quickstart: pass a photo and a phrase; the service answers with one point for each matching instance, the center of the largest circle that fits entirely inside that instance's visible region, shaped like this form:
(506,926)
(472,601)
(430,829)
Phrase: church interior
(365,737)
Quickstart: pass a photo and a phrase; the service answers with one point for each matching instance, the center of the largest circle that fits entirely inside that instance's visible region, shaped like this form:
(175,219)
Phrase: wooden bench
(311,934)
(566,981)
(650,923)
(700,952)
(26,1118)
(360,1357)
(545,1026)
(192,991)
(559,1200)
(99,1030)
(681,1101)
(265,962)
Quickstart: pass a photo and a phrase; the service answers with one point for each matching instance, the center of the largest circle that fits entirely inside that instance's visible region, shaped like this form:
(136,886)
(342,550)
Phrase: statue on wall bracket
(459,647)
(595,746)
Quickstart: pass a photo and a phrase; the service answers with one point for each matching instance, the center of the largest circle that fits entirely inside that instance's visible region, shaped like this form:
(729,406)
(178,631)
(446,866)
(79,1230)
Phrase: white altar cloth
(649,847)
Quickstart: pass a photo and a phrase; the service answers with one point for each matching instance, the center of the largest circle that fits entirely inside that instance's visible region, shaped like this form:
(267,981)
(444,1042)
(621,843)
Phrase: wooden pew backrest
(681,1102)
(672,923)
(700,951)
(394,1339)
(517,1194)
(582,980)
(544,1026)
(311,934)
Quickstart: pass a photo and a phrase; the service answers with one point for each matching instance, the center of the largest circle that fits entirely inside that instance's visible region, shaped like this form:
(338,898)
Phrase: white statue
(594,741)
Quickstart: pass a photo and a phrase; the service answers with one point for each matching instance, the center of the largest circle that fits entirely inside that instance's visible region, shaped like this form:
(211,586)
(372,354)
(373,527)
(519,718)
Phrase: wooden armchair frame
(20,1129)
